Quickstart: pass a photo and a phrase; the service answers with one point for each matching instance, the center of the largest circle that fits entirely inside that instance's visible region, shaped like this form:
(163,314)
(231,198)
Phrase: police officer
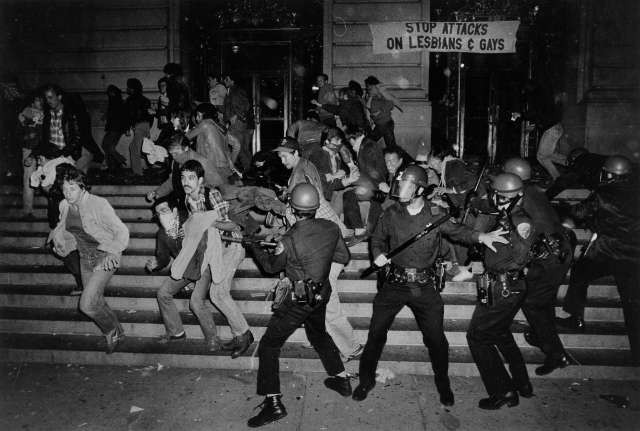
(615,208)
(305,254)
(489,333)
(409,278)
(552,252)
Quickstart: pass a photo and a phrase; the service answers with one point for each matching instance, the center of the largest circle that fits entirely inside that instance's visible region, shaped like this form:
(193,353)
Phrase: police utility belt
(492,287)
(302,292)
(397,274)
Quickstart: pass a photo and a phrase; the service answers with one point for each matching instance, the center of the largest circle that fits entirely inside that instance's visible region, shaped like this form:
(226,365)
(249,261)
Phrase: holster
(308,292)
(493,287)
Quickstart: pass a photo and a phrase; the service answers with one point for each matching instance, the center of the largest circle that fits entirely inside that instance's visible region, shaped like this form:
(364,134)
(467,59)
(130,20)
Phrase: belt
(400,274)
(513,275)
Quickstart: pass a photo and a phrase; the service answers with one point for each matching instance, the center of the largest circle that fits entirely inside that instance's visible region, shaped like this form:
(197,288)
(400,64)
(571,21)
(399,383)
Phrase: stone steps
(39,321)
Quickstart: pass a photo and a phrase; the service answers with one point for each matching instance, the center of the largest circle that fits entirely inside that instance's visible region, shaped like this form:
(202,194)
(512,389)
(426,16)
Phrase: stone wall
(348,54)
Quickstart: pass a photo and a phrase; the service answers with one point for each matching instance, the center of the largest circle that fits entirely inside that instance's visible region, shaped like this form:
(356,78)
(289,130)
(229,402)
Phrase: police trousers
(282,324)
(489,335)
(627,277)
(428,309)
(543,280)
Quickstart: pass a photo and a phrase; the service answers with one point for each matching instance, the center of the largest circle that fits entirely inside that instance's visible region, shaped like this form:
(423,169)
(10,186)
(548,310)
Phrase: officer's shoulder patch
(524,229)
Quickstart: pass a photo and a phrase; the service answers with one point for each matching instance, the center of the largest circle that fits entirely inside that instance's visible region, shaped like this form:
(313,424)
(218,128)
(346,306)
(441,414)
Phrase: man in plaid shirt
(199,199)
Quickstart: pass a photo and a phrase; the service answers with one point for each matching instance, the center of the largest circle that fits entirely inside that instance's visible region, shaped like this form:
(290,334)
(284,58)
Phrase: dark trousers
(543,280)
(72,263)
(489,336)
(627,276)
(109,143)
(280,327)
(351,208)
(384,130)
(428,309)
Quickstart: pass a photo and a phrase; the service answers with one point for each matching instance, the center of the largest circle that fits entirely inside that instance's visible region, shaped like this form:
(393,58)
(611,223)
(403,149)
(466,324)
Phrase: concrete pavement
(73,397)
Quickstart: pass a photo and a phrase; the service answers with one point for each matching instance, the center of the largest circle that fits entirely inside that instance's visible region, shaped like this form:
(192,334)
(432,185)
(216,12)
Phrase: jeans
(245,136)
(140,131)
(27,190)
(627,277)
(221,292)
(547,154)
(199,304)
(384,130)
(92,301)
(280,327)
(489,335)
(336,322)
(543,280)
(428,309)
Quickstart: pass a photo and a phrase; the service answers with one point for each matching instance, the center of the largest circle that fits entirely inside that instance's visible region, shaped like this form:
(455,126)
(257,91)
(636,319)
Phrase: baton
(428,228)
(475,190)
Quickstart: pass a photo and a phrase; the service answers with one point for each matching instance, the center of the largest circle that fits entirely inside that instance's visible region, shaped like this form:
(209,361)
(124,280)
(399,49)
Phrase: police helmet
(506,189)
(615,169)
(304,198)
(519,167)
(406,184)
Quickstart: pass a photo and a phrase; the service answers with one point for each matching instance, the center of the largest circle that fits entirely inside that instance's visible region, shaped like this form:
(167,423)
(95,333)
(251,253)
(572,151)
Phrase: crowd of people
(336,179)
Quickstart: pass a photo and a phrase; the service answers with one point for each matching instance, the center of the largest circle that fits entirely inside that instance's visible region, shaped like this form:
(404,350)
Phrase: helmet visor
(403,190)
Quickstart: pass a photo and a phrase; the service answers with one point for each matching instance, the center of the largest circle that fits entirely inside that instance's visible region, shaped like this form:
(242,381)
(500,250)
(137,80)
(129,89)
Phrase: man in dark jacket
(583,172)
(305,254)
(615,210)
(237,112)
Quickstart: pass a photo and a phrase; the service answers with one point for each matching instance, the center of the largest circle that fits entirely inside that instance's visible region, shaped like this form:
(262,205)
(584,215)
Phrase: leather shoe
(572,322)
(551,364)
(526,391)
(446,398)
(341,385)
(239,344)
(272,410)
(114,337)
(531,338)
(494,402)
(360,393)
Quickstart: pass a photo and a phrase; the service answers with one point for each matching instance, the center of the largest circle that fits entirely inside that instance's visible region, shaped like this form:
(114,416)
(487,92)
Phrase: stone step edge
(249,364)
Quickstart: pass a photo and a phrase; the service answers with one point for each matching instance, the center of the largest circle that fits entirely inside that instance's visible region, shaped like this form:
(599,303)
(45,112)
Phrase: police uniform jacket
(306,251)
(615,209)
(396,226)
(514,255)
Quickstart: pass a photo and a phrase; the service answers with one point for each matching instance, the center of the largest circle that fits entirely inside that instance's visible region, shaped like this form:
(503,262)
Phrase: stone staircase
(39,321)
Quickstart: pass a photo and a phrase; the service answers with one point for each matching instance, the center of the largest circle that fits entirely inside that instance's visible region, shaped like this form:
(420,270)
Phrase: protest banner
(481,37)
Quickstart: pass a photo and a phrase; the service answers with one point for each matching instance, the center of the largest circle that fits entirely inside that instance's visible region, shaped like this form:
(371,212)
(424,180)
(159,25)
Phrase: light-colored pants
(547,154)
(140,131)
(220,293)
(27,191)
(336,322)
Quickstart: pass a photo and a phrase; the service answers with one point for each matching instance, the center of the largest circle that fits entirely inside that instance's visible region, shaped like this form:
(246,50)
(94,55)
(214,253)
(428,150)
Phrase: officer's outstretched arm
(495,236)
(271,263)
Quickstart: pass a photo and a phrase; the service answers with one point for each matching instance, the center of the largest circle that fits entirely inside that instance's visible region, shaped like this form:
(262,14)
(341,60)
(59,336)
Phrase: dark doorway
(263,69)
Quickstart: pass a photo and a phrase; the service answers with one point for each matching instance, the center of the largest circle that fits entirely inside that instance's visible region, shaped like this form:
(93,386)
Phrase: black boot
(239,344)
(531,338)
(526,391)
(339,384)
(272,410)
(551,364)
(360,393)
(494,402)
(572,322)
(446,398)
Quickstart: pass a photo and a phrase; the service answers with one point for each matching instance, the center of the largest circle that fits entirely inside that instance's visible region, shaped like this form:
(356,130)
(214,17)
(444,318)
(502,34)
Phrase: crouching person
(89,225)
(188,268)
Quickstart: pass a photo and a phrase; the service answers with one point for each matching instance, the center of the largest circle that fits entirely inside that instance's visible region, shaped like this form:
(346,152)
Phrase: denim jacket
(98,220)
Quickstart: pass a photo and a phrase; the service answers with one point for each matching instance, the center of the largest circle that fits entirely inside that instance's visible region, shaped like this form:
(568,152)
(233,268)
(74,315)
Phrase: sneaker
(151,265)
(168,338)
